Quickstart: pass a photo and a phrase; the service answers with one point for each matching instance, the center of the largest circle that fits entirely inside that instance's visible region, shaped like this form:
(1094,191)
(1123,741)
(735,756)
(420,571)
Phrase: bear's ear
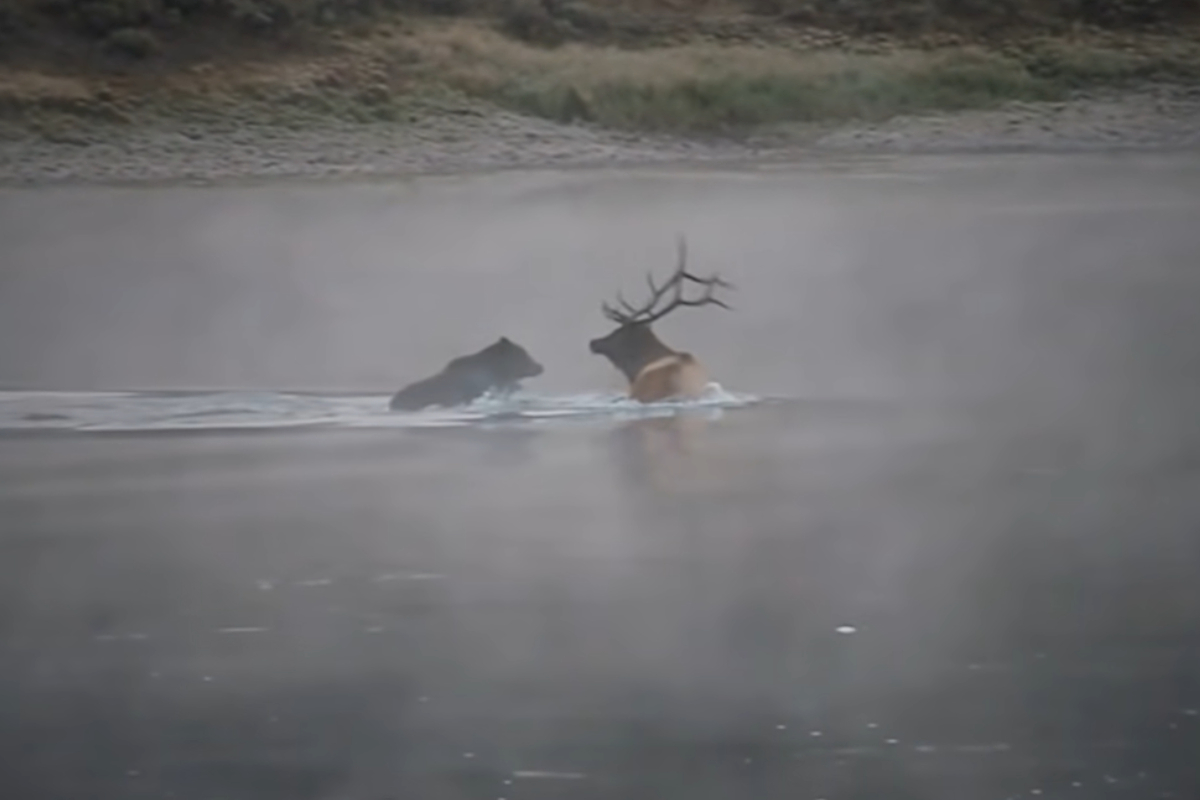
(504,340)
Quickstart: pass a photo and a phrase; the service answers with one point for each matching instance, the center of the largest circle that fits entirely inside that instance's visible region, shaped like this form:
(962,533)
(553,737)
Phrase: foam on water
(249,410)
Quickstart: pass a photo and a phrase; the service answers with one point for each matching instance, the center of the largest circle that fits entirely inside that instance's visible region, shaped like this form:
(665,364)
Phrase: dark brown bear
(498,367)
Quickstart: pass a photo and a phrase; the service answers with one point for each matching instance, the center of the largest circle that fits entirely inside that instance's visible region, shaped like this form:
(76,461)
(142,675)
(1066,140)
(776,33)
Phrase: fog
(955,554)
(882,280)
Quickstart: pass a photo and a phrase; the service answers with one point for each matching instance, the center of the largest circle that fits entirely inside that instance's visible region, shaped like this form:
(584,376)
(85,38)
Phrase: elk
(656,372)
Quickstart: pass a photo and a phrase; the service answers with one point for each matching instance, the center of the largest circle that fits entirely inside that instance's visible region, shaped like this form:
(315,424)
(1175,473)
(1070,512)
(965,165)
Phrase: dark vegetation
(681,65)
(146,28)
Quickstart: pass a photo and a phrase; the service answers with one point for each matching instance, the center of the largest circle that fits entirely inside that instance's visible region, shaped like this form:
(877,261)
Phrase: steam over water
(931,535)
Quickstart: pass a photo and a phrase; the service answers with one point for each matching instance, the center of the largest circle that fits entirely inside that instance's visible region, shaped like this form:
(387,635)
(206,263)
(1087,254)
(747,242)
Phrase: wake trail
(198,411)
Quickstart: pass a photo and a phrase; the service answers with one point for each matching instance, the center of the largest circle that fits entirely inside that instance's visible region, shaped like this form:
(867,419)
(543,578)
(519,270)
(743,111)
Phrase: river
(933,534)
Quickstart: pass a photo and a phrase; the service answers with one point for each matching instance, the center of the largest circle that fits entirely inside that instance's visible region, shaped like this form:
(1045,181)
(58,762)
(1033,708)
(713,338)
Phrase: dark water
(952,553)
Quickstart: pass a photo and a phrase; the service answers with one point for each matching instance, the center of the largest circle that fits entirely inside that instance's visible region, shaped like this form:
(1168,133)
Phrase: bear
(498,367)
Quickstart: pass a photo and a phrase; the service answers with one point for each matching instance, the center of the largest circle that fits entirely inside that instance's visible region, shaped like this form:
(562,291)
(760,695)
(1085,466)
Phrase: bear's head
(510,362)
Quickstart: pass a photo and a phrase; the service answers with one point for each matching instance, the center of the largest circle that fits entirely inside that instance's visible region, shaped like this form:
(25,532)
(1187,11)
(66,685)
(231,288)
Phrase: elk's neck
(652,350)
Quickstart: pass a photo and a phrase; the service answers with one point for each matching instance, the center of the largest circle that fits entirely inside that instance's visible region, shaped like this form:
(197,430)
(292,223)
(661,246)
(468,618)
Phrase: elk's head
(633,344)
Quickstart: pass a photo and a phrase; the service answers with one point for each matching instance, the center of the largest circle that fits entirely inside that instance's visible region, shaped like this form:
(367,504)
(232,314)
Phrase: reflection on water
(666,454)
(838,599)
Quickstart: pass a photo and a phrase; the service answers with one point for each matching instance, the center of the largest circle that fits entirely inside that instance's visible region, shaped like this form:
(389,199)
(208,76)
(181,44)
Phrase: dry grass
(31,87)
(706,86)
(695,86)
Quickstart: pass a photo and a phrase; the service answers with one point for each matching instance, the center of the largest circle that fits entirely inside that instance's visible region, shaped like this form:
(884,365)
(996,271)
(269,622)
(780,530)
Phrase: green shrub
(725,99)
(898,15)
(1080,67)
(1131,12)
(447,8)
(136,43)
(9,19)
(530,21)
(583,17)
(102,17)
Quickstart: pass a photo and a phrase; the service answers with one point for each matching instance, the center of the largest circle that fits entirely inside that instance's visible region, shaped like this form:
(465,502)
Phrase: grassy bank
(705,86)
(638,66)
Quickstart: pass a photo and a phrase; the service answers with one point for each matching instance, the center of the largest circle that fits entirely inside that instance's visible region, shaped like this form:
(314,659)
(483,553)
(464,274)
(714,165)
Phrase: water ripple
(253,410)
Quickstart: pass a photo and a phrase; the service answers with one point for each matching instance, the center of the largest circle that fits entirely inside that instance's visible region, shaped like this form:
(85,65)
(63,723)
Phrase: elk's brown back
(678,375)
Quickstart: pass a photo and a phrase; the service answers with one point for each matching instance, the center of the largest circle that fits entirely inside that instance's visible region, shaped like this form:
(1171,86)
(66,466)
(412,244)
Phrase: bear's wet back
(505,360)
(499,366)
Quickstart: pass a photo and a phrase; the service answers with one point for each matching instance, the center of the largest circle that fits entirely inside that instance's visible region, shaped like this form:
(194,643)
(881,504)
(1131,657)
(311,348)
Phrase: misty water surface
(936,540)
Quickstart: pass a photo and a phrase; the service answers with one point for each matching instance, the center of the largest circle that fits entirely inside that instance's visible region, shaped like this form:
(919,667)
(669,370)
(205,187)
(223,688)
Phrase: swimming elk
(657,372)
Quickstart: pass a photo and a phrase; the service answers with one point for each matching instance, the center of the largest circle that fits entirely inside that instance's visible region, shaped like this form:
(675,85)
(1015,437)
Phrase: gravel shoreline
(1162,117)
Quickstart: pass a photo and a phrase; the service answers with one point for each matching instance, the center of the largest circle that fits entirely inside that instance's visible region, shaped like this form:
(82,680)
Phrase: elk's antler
(647,312)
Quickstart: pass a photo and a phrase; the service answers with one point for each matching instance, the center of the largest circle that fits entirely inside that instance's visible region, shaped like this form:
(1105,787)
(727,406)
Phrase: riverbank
(412,96)
(1164,117)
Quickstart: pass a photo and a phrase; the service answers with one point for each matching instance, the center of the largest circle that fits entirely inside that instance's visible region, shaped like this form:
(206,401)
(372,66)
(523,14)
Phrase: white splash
(388,577)
(121,637)
(218,410)
(541,774)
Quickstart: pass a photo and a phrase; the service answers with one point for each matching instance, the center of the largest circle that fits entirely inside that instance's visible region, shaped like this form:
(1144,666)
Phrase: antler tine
(628,314)
(628,308)
(612,313)
(709,297)
(682,274)
(712,280)
(678,300)
(647,312)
